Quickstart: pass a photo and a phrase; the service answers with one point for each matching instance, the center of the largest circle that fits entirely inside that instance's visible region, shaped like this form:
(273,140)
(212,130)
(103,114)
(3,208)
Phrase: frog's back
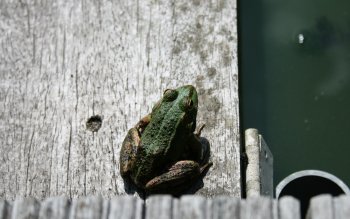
(156,149)
(162,142)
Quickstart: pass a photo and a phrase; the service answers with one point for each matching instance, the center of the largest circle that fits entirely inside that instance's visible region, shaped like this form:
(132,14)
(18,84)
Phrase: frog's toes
(199,131)
(205,167)
(178,175)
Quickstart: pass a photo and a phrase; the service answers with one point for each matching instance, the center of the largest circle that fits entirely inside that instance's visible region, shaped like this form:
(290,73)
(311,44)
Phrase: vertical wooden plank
(204,49)
(192,207)
(256,208)
(259,170)
(321,207)
(127,207)
(55,208)
(225,207)
(275,209)
(4,211)
(176,208)
(159,206)
(24,208)
(88,207)
(289,208)
(253,166)
(341,207)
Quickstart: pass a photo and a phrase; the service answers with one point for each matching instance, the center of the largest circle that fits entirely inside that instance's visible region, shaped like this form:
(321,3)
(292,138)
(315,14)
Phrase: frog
(162,153)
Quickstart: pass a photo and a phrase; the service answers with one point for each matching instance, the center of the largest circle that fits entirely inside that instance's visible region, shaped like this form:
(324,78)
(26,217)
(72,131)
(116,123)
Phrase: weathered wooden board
(259,170)
(55,208)
(62,62)
(257,207)
(341,207)
(289,208)
(129,207)
(321,207)
(25,208)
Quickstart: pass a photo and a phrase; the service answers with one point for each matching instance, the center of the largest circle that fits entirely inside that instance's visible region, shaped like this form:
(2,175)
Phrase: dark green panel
(297,91)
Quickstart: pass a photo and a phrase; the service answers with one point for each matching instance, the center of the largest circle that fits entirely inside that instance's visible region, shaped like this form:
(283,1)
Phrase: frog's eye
(169,95)
(187,104)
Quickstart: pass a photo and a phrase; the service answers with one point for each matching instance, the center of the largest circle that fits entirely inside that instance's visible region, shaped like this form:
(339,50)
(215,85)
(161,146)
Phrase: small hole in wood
(94,123)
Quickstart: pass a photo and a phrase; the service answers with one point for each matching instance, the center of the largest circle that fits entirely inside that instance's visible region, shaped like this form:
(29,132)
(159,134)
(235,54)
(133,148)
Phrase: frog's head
(178,107)
(188,99)
(185,105)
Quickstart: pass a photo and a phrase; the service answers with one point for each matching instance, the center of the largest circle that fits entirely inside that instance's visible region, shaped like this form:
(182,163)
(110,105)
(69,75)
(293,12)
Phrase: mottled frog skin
(161,153)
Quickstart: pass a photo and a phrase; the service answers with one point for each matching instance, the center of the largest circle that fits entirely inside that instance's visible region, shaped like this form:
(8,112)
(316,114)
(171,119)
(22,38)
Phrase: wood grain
(55,208)
(289,208)
(257,207)
(127,207)
(321,207)
(62,62)
(160,206)
(341,206)
(25,208)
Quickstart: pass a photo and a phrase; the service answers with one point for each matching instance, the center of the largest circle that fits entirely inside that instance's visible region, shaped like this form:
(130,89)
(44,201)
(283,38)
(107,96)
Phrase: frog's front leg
(179,177)
(198,151)
(131,145)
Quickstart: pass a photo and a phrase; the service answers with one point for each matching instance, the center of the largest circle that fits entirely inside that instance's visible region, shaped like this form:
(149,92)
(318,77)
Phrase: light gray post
(224,207)
(192,207)
(321,207)
(253,168)
(24,208)
(88,208)
(257,207)
(288,208)
(4,210)
(259,171)
(126,207)
(342,207)
(55,208)
(159,206)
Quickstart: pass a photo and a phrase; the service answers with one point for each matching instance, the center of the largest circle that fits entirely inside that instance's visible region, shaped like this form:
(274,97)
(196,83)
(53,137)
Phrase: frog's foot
(199,131)
(128,151)
(205,168)
(178,178)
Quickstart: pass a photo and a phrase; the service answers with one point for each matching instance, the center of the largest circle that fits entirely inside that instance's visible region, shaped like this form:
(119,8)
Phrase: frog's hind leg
(128,151)
(142,124)
(131,144)
(178,178)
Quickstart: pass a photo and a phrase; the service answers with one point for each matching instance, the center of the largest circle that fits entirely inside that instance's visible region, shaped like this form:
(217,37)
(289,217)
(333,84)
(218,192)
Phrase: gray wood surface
(63,61)
(259,170)
(25,208)
(4,211)
(127,207)
(321,207)
(89,208)
(288,208)
(257,207)
(342,207)
(192,207)
(159,206)
(224,207)
(131,207)
(55,208)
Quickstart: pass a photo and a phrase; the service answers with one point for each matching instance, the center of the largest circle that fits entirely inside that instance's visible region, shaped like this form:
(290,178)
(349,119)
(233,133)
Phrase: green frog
(161,153)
